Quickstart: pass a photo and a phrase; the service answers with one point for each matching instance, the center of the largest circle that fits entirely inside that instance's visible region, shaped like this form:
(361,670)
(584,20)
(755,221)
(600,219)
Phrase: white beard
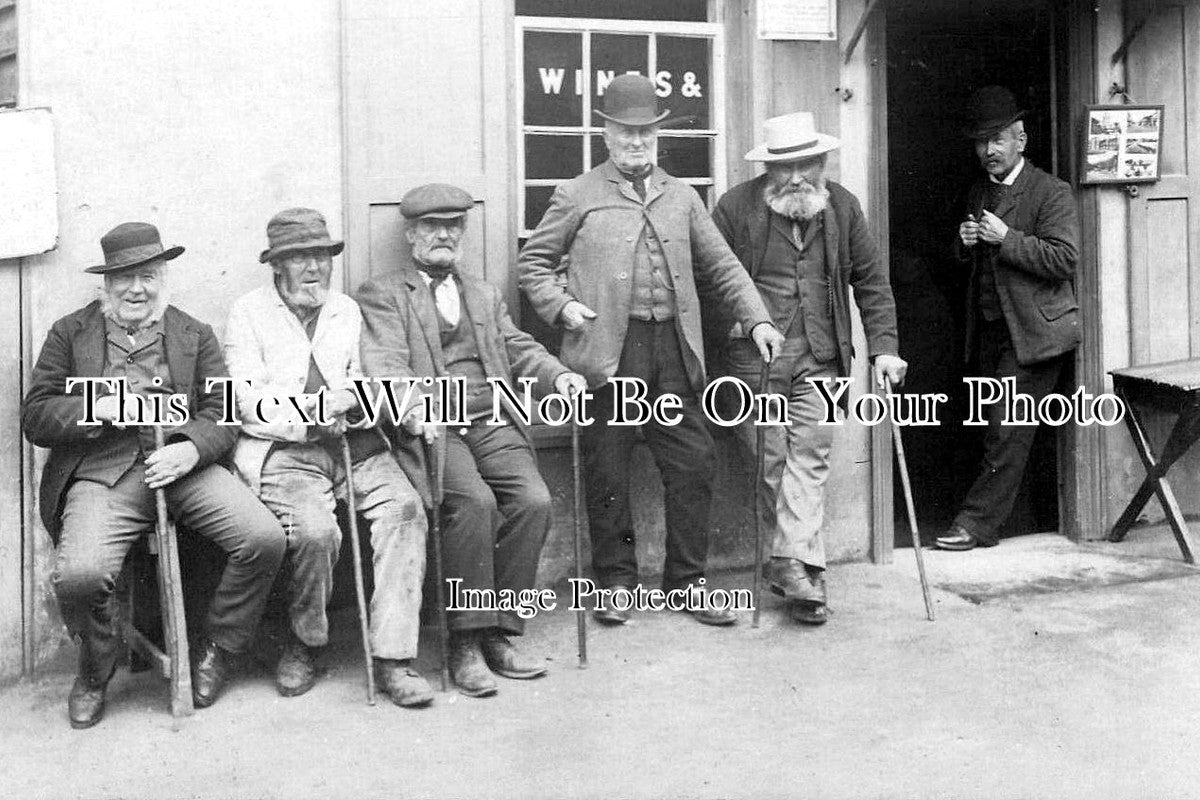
(801,204)
(108,308)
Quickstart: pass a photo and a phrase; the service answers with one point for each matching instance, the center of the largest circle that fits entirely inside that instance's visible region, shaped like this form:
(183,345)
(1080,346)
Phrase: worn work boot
(502,658)
(608,614)
(402,683)
(467,666)
(210,672)
(85,703)
(802,586)
(708,614)
(296,672)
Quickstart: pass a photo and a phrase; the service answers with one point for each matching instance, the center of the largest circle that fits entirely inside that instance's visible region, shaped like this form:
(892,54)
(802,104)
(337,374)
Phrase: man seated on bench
(295,340)
(98,488)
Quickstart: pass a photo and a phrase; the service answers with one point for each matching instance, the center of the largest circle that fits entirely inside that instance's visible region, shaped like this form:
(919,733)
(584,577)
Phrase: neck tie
(638,179)
(445,295)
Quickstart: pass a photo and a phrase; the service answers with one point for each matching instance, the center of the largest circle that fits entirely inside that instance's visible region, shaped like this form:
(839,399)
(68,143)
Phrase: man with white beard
(804,241)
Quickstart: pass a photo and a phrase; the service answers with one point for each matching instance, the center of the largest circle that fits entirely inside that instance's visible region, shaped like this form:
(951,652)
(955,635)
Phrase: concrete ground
(1071,672)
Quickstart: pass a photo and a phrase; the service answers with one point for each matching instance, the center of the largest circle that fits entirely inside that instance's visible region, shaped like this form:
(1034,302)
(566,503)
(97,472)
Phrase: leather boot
(502,658)
(210,673)
(402,683)
(85,703)
(467,666)
(296,672)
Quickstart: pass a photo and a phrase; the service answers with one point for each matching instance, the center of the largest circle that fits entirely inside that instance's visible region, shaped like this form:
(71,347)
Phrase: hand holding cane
(359,590)
(580,614)
(908,503)
(760,458)
(435,470)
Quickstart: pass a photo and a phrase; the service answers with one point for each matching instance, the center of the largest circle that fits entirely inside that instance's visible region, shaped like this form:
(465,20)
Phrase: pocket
(1058,308)
(815,301)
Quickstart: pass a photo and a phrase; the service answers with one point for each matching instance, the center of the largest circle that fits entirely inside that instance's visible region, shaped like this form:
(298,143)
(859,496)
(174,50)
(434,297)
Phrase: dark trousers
(495,517)
(683,453)
(100,523)
(1005,447)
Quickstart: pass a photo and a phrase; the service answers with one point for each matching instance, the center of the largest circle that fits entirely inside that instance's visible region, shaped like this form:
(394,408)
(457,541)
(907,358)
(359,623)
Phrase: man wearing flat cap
(98,488)
(619,261)
(429,320)
(804,241)
(1020,239)
(293,345)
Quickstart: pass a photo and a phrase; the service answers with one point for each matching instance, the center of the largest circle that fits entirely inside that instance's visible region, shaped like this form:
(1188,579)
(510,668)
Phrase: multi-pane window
(8,53)
(566,66)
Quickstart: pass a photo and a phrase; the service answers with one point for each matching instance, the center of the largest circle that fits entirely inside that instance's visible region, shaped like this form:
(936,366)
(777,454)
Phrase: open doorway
(938,53)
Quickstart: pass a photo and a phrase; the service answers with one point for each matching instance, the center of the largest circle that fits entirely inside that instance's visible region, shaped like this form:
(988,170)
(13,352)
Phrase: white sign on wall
(797,19)
(28,183)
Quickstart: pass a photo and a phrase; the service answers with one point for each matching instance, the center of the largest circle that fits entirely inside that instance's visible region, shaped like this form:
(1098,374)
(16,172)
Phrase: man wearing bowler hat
(804,241)
(1019,236)
(427,319)
(294,344)
(620,261)
(97,492)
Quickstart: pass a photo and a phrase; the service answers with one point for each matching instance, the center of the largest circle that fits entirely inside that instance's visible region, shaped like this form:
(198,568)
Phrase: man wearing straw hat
(98,488)
(804,241)
(620,261)
(297,339)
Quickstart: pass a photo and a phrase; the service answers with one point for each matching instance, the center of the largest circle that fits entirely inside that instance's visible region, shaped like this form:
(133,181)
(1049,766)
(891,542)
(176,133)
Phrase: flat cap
(438,200)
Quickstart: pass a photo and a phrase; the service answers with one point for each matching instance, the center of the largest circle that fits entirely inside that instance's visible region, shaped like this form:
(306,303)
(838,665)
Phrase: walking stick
(580,614)
(908,503)
(760,474)
(359,591)
(435,467)
(170,587)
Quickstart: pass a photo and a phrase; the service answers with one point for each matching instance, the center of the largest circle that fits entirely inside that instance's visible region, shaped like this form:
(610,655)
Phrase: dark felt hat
(630,100)
(297,229)
(990,110)
(130,244)
(436,200)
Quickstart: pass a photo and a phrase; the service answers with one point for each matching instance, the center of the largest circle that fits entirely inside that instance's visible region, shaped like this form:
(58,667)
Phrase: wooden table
(1173,387)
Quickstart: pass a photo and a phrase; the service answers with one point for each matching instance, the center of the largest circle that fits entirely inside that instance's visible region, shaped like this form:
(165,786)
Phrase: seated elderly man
(428,319)
(296,340)
(97,493)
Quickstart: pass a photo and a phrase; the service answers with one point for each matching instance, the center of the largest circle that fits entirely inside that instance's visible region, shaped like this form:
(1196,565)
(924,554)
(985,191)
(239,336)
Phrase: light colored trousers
(791,499)
(299,484)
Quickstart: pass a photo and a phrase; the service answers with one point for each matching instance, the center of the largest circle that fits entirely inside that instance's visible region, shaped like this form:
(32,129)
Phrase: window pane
(683,68)
(612,55)
(552,63)
(537,200)
(553,156)
(687,157)
(599,151)
(684,10)
(705,193)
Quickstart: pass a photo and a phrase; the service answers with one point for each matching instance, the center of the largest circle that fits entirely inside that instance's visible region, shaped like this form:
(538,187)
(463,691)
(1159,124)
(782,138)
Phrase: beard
(801,203)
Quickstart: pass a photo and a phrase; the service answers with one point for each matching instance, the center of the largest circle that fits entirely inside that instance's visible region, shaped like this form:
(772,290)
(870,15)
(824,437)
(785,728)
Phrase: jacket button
(629,238)
(129,360)
(622,276)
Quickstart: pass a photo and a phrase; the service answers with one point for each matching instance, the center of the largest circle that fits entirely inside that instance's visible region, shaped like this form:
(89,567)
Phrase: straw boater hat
(297,229)
(630,100)
(792,137)
(130,244)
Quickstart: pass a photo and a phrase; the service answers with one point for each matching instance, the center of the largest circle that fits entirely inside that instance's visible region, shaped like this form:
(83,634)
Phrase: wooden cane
(760,474)
(170,587)
(580,614)
(435,466)
(908,503)
(359,589)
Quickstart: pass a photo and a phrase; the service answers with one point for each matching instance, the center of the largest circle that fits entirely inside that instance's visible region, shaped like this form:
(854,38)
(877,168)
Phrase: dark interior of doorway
(938,53)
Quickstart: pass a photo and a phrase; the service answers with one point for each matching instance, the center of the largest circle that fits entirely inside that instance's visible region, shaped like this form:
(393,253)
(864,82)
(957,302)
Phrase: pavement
(1052,670)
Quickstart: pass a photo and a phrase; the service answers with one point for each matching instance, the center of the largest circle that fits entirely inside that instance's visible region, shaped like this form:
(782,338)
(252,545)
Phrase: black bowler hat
(630,100)
(130,244)
(990,110)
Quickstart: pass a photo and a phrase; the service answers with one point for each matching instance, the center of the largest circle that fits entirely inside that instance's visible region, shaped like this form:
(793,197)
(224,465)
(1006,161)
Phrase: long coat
(401,339)
(1034,265)
(851,259)
(584,249)
(75,347)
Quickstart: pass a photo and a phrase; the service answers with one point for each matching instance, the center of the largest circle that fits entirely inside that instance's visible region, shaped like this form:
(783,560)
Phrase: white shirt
(1011,177)
(449,304)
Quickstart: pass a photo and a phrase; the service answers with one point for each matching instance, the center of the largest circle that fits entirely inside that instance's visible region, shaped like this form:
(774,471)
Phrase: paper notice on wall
(28,183)
(797,19)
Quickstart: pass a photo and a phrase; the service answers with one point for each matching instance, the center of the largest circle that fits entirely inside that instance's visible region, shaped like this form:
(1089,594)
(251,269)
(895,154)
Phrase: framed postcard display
(1122,144)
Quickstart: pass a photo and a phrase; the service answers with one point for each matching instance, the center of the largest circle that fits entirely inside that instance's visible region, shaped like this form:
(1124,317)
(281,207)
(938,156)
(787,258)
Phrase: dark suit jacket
(584,249)
(401,340)
(74,347)
(851,259)
(1034,265)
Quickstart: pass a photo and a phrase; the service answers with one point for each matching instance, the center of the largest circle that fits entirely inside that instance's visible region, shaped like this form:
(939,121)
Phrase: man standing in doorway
(1020,238)
(804,241)
(619,261)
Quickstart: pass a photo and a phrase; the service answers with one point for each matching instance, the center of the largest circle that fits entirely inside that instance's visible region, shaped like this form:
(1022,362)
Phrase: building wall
(203,119)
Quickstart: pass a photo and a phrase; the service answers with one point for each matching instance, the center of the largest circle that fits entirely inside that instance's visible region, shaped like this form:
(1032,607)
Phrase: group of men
(638,275)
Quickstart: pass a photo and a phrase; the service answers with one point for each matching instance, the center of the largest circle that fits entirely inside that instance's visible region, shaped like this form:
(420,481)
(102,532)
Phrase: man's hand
(992,229)
(570,384)
(108,410)
(768,339)
(336,406)
(414,422)
(170,463)
(889,369)
(574,314)
(968,232)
